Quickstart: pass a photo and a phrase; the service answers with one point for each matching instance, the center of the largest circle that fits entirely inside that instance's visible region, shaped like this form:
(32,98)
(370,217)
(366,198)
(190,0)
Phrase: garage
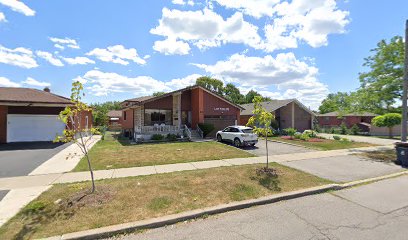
(219,122)
(31,128)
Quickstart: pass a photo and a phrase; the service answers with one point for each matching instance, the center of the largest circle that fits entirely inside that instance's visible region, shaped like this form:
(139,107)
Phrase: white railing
(200,132)
(153,129)
(187,131)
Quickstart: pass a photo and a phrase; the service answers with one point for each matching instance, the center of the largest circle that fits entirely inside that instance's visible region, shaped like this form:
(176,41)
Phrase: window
(247,130)
(124,115)
(234,130)
(157,116)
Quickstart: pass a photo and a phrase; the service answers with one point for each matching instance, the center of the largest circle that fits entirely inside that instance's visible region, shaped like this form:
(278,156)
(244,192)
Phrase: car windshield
(247,130)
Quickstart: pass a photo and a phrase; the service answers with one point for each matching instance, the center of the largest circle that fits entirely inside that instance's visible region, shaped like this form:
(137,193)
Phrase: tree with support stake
(75,132)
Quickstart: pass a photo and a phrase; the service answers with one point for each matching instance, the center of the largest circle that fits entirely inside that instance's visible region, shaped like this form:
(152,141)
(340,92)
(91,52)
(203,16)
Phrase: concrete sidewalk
(366,139)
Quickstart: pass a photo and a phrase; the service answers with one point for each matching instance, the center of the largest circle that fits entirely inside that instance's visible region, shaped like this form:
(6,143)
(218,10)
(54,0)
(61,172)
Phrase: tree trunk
(267,153)
(89,163)
(390,132)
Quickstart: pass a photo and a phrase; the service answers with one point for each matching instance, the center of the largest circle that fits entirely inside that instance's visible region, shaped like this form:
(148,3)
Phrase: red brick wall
(83,120)
(197,107)
(216,106)
(128,122)
(165,103)
(3,124)
(244,119)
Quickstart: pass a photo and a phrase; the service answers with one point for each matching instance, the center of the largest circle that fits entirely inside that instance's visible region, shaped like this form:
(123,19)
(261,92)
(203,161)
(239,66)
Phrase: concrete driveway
(366,139)
(19,159)
(274,148)
(344,168)
(374,211)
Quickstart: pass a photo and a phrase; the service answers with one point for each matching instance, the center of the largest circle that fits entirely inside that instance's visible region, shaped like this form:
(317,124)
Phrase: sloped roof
(115,114)
(336,114)
(140,99)
(30,95)
(270,106)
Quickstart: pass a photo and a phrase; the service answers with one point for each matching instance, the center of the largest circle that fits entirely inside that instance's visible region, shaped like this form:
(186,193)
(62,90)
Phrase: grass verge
(389,156)
(115,153)
(130,199)
(325,144)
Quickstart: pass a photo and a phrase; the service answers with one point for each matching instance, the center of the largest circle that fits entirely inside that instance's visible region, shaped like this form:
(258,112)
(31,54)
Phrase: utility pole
(405,89)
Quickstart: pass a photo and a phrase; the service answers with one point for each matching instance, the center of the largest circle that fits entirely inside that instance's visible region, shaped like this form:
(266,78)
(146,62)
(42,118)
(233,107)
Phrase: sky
(302,49)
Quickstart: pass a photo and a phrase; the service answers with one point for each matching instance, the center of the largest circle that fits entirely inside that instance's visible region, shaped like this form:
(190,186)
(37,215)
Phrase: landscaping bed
(116,153)
(131,199)
(323,144)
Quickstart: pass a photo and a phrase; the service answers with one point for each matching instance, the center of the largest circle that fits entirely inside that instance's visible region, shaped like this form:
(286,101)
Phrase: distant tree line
(100,112)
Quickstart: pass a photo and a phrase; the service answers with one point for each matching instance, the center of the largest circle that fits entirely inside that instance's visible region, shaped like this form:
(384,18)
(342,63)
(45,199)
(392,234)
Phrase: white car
(238,135)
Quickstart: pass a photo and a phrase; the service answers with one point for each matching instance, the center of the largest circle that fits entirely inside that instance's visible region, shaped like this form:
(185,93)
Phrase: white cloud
(117,54)
(61,43)
(172,47)
(78,60)
(206,28)
(179,83)
(33,82)
(2,17)
(18,6)
(255,8)
(5,82)
(49,58)
(292,77)
(21,57)
(183,2)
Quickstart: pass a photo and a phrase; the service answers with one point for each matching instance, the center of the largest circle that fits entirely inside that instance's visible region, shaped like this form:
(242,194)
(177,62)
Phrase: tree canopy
(100,112)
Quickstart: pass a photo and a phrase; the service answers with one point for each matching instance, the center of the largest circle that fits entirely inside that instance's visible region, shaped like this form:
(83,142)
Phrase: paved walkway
(366,139)
(374,211)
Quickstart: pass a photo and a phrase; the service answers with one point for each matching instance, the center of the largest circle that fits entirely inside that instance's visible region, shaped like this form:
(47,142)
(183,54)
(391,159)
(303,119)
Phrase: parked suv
(238,135)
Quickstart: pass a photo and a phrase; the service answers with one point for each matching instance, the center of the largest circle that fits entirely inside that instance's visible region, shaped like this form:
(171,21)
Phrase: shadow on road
(29,146)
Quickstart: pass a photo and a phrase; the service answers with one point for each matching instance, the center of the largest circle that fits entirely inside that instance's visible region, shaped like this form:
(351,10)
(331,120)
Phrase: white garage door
(30,128)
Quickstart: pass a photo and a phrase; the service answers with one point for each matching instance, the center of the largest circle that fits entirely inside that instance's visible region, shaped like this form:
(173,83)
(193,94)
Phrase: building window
(157,116)
(124,115)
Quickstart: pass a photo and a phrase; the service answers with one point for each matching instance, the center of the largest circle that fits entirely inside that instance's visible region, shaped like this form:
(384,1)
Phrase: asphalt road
(274,148)
(19,159)
(2,194)
(374,211)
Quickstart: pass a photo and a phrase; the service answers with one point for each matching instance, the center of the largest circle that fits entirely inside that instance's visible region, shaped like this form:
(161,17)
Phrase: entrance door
(186,118)
(32,128)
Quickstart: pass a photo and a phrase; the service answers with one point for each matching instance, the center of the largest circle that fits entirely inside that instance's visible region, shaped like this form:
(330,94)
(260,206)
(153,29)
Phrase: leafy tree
(261,119)
(381,86)
(354,129)
(387,120)
(157,94)
(212,84)
(233,94)
(74,132)
(336,102)
(250,96)
(100,112)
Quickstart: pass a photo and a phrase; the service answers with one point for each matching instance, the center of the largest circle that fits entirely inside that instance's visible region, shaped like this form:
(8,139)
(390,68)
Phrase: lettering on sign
(221,109)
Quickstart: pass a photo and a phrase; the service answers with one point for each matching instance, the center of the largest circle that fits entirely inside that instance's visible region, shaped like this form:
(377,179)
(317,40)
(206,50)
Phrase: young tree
(75,132)
(261,120)
(388,120)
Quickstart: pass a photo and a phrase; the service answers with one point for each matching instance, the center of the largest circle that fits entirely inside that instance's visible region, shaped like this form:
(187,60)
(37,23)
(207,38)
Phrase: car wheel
(237,142)
(219,138)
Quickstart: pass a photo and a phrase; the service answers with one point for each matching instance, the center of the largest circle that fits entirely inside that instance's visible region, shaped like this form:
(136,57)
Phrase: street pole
(405,89)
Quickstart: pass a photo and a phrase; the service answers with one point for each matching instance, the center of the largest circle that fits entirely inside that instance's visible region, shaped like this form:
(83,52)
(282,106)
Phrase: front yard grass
(325,144)
(130,199)
(115,153)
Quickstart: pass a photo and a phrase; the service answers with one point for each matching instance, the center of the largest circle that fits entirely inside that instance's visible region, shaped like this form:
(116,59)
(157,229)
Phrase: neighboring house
(335,119)
(171,112)
(288,113)
(28,115)
(115,118)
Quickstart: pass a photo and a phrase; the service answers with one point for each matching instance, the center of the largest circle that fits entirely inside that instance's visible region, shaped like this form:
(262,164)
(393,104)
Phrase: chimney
(47,89)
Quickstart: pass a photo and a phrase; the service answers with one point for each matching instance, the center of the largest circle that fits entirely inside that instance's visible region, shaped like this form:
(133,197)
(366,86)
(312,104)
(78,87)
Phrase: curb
(109,231)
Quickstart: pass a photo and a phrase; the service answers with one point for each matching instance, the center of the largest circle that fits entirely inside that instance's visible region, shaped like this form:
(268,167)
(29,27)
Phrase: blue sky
(284,49)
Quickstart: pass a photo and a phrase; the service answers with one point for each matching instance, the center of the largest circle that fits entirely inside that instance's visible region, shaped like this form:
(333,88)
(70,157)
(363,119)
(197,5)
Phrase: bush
(297,135)
(332,131)
(310,133)
(317,128)
(345,140)
(343,129)
(206,128)
(171,137)
(157,137)
(337,138)
(354,129)
(304,137)
(290,131)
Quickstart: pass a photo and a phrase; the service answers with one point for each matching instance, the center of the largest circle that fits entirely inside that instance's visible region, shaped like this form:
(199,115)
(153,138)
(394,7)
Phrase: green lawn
(130,199)
(325,144)
(113,153)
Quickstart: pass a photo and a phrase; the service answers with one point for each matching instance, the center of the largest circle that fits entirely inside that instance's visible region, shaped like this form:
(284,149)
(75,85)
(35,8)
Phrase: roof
(30,95)
(142,100)
(336,114)
(271,106)
(115,114)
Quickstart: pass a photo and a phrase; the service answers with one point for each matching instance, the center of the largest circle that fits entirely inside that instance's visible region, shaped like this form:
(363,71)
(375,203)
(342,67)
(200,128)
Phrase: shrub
(206,128)
(297,135)
(354,129)
(310,133)
(304,137)
(157,137)
(345,140)
(290,131)
(332,130)
(388,120)
(337,138)
(343,128)
(317,128)
(171,137)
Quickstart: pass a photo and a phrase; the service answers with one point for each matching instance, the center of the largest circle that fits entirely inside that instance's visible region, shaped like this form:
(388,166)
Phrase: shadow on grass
(268,178)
